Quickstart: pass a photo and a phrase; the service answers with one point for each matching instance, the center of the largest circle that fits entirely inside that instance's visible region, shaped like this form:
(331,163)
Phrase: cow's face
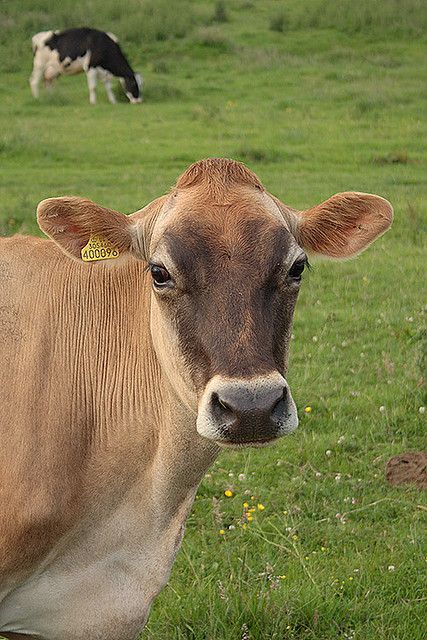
(132,87)
(225,279)
(226,261)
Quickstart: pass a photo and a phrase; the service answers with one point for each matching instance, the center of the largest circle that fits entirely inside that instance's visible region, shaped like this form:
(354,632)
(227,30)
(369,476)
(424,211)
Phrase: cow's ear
(72,222)
(344,225)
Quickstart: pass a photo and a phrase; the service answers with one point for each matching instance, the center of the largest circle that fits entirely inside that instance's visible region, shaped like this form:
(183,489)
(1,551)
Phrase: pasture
(304,540)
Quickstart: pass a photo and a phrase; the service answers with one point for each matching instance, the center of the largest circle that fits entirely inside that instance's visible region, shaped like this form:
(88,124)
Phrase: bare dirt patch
(408,468)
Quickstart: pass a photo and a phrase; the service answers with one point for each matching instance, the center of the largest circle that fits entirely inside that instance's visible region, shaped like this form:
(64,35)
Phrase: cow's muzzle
(246,412)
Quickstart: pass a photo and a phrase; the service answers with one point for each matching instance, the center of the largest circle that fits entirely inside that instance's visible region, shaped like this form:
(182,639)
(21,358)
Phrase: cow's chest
(101,583)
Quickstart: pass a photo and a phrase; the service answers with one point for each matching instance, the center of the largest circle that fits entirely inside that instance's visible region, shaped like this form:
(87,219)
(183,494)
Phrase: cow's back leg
(48,84)
(50,75)
(35,78)
(106,79)
(91,76)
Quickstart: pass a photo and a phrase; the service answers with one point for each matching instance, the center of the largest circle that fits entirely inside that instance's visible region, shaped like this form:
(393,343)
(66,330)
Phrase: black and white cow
(95,52)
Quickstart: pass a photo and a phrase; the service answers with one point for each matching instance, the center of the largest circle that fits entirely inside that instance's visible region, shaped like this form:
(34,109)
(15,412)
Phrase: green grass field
(316,97)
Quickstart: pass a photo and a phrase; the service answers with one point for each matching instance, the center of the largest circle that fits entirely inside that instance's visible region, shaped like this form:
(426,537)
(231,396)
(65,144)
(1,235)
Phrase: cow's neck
(182,459)
(134,425)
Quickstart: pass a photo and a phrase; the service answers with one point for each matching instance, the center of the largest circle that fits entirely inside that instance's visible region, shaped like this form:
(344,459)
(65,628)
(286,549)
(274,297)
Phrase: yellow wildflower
(221,532)
(260,507)
(307,409)
(228,493)
(245,505)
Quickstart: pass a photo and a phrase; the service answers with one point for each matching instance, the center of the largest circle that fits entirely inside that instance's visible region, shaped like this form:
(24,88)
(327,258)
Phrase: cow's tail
(40,38)
(113,37)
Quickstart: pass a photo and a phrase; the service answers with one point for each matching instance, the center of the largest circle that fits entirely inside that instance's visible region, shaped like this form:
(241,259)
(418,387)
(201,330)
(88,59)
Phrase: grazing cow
(95,52)
(133,348)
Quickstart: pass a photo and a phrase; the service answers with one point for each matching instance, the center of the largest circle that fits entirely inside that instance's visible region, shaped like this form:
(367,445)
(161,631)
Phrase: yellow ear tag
(99,248)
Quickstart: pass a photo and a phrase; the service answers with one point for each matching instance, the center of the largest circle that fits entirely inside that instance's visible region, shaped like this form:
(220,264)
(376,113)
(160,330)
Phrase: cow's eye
(295,272)
(161,276)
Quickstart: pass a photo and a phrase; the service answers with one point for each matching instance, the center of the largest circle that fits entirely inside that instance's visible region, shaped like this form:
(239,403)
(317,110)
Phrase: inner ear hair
(71,221)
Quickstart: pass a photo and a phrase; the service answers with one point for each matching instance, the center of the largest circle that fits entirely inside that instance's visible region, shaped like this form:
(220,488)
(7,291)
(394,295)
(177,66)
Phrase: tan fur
(101,379)
(217,174)
(346,224)
(211,180)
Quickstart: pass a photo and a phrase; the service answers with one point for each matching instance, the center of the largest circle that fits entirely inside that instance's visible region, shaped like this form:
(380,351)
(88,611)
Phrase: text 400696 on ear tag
(99,248)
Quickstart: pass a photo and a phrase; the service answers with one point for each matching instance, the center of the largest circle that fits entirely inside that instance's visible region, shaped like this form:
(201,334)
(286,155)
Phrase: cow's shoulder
(21,248)
(71,43)
(23,262)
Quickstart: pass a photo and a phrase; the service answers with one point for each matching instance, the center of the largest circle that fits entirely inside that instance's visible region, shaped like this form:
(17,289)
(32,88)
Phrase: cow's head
(132,87)
(226,260)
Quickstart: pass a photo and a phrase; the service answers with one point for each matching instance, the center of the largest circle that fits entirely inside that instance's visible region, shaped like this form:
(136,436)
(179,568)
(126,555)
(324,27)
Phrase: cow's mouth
(256,443)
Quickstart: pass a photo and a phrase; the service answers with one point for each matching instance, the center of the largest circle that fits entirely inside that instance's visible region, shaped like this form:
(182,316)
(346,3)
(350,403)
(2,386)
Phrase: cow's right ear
(71,222)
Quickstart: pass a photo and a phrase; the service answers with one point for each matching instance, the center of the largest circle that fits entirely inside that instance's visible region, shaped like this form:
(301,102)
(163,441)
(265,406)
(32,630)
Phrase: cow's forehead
(239,217)
(243,200)
(243,228)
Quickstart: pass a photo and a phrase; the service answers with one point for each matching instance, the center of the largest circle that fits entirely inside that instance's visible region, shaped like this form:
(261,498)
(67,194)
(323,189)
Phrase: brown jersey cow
(133,348)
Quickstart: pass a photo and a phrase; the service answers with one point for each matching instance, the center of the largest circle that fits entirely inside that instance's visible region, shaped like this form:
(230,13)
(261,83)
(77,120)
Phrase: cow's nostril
(278,412)
(279,404)
(220,406)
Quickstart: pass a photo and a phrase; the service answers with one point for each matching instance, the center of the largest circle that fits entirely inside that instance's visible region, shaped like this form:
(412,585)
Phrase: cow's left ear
(344,225)
(71,222)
